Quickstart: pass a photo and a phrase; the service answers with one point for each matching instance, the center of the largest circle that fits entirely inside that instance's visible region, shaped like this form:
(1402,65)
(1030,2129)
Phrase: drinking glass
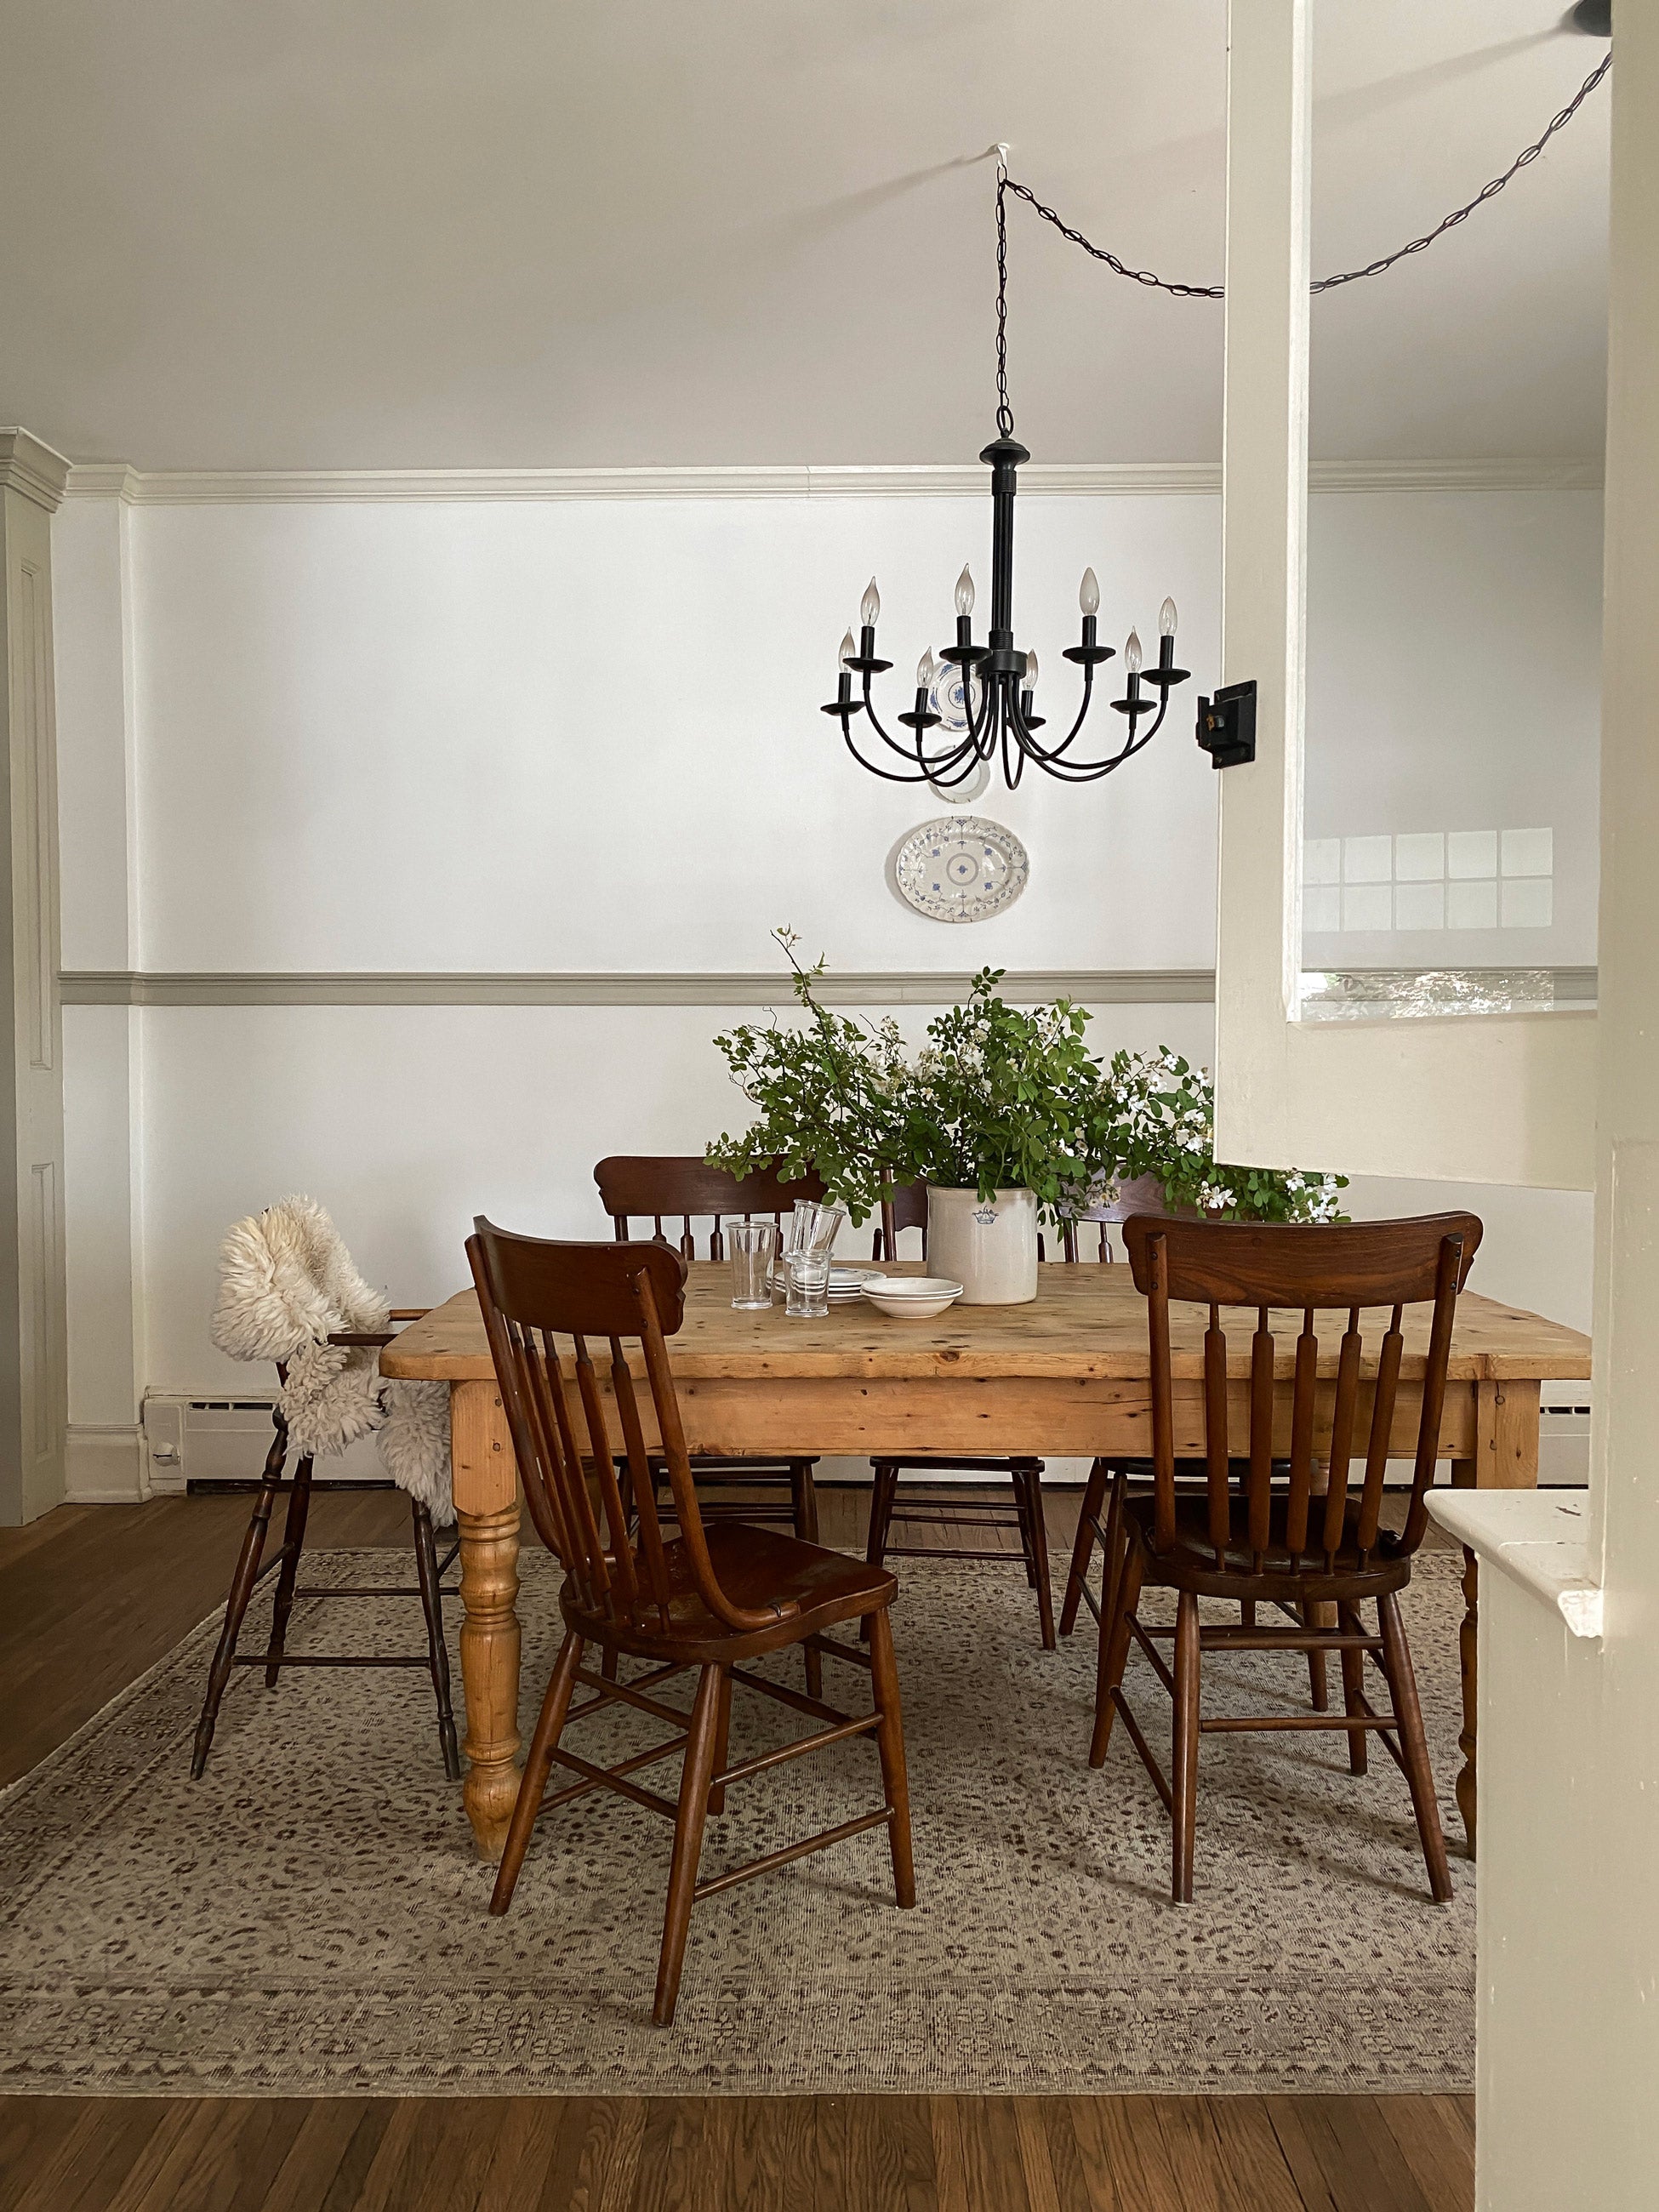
(753,1245)
(809,1285)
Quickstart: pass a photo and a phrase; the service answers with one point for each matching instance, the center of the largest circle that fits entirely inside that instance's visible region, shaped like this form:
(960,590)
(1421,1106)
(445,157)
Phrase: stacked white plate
(846,1284)
(912,1297)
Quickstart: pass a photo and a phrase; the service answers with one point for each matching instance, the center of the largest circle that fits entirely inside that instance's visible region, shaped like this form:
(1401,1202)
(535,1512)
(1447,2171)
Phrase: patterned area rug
(310,1918)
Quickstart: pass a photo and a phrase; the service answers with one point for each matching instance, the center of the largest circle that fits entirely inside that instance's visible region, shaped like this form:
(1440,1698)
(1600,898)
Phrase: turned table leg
(487,1514)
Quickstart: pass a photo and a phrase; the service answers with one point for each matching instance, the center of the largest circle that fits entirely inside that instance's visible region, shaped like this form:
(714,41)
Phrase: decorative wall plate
(961,868)
(949,699)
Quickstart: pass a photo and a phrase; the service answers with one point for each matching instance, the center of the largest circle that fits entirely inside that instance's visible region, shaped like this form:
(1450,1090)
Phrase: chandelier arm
(904,752)
(887,774)
(1046,754)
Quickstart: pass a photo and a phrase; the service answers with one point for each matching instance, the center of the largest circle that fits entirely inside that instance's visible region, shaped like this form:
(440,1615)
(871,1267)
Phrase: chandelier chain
(1005,184)
(1004,410)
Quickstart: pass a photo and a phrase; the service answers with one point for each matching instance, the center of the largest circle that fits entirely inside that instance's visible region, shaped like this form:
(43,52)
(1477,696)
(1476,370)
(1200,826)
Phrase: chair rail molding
(807,480)
(34,1334)
(1097,987)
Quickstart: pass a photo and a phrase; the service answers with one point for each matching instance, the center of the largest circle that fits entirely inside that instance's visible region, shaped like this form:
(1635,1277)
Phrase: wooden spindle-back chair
(667,1188)
(1320,1542)
(706,1599)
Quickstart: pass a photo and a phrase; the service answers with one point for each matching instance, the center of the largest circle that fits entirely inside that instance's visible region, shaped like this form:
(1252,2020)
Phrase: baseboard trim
(105,1464)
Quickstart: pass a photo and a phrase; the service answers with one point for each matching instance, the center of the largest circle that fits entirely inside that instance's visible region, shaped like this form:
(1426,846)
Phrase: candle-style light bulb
(965,592)
(1088,593)
(848,650)
(925,672)
(1166,619)
(870,606)
(1132,653)
(1031,671)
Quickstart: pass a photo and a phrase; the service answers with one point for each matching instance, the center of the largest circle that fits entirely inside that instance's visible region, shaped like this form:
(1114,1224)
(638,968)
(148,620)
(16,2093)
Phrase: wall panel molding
(1075,480)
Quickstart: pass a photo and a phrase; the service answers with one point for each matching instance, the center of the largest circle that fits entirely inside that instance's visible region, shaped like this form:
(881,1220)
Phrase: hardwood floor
(92,1595)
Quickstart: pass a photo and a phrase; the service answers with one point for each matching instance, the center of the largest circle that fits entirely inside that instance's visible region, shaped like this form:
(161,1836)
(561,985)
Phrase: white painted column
(93,560)
(33,1363)
(1568,1899)
(1264,480)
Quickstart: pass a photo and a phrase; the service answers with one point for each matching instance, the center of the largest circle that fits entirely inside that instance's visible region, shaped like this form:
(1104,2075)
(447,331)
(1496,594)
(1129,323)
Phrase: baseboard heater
(197,1446)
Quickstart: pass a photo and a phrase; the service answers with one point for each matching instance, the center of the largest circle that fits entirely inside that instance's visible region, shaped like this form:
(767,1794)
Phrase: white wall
(469,736)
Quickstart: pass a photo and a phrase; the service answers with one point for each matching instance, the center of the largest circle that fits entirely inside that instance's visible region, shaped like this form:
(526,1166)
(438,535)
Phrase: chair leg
(804,1497)
(1039,1534)
(687,1842)
(1022,1481)
(241,1588)
(533,1788)
(1247,1613)
(1183,1765)
(432,1605)
(881,1492)
(1114,1652)
(889,1739)
(1353,1688)
(1319,1689)
(293,1537)
(1083,1548)
(722,1738)
(1402,1681)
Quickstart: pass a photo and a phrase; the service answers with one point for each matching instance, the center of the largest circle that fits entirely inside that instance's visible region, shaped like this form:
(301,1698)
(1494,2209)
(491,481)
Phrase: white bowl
(913,1297)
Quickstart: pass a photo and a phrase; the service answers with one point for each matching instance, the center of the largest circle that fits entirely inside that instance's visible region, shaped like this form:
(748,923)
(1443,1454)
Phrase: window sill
(1537,1538)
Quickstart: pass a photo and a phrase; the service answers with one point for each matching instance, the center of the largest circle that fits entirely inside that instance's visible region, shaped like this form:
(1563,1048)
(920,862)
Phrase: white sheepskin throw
(286,1284)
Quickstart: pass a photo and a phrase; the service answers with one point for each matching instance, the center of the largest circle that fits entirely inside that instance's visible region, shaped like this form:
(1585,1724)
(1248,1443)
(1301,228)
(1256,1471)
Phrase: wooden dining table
(1066,1375)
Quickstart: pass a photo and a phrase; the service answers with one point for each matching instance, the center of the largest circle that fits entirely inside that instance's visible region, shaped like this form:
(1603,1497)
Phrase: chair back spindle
(1352,1269)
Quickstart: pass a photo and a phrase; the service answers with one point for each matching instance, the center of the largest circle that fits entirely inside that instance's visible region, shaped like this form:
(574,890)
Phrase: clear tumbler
(753,1246)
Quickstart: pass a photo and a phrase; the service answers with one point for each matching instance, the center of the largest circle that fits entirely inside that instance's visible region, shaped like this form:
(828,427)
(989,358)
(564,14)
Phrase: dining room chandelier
(991,689)
(998,679)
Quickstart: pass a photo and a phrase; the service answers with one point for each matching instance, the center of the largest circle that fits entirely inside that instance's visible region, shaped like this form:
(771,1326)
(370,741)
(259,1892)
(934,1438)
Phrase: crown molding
(1054,480)
(29,465)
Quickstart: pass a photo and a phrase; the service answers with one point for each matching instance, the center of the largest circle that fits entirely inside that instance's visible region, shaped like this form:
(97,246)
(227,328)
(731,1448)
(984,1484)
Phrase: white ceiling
(567,232)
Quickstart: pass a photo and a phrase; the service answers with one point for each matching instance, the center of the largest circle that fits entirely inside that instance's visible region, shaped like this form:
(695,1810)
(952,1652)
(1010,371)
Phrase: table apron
(1005,1414)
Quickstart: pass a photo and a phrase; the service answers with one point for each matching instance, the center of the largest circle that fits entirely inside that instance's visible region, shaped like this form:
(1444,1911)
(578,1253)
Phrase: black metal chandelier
(998,679)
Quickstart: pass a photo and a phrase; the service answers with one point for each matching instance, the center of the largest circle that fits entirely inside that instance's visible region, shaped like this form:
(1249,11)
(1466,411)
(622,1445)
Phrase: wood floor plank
(1078,2187)
(684,2156)
(1036,2165)
(1111,2132)
(383,2168)
(1255,2176)
(596,2159)
(526,2134)
(314,2157)
(32,2131)
(773,2155)
(1434,2143)
(91,2158)
(991,2154)
(1289,2123)
(889,2156)
(1360,2164)
(344,2191)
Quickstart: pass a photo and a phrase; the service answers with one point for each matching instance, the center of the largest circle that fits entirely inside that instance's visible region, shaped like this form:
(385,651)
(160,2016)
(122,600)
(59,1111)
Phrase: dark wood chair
(429,1572)
(1316,1543)
(668,1187)
(905,1207)
(710,1600)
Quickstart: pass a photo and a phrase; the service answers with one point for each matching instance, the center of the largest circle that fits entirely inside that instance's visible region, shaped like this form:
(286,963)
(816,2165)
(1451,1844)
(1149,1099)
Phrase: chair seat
(1190,1562)
(754,1566)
